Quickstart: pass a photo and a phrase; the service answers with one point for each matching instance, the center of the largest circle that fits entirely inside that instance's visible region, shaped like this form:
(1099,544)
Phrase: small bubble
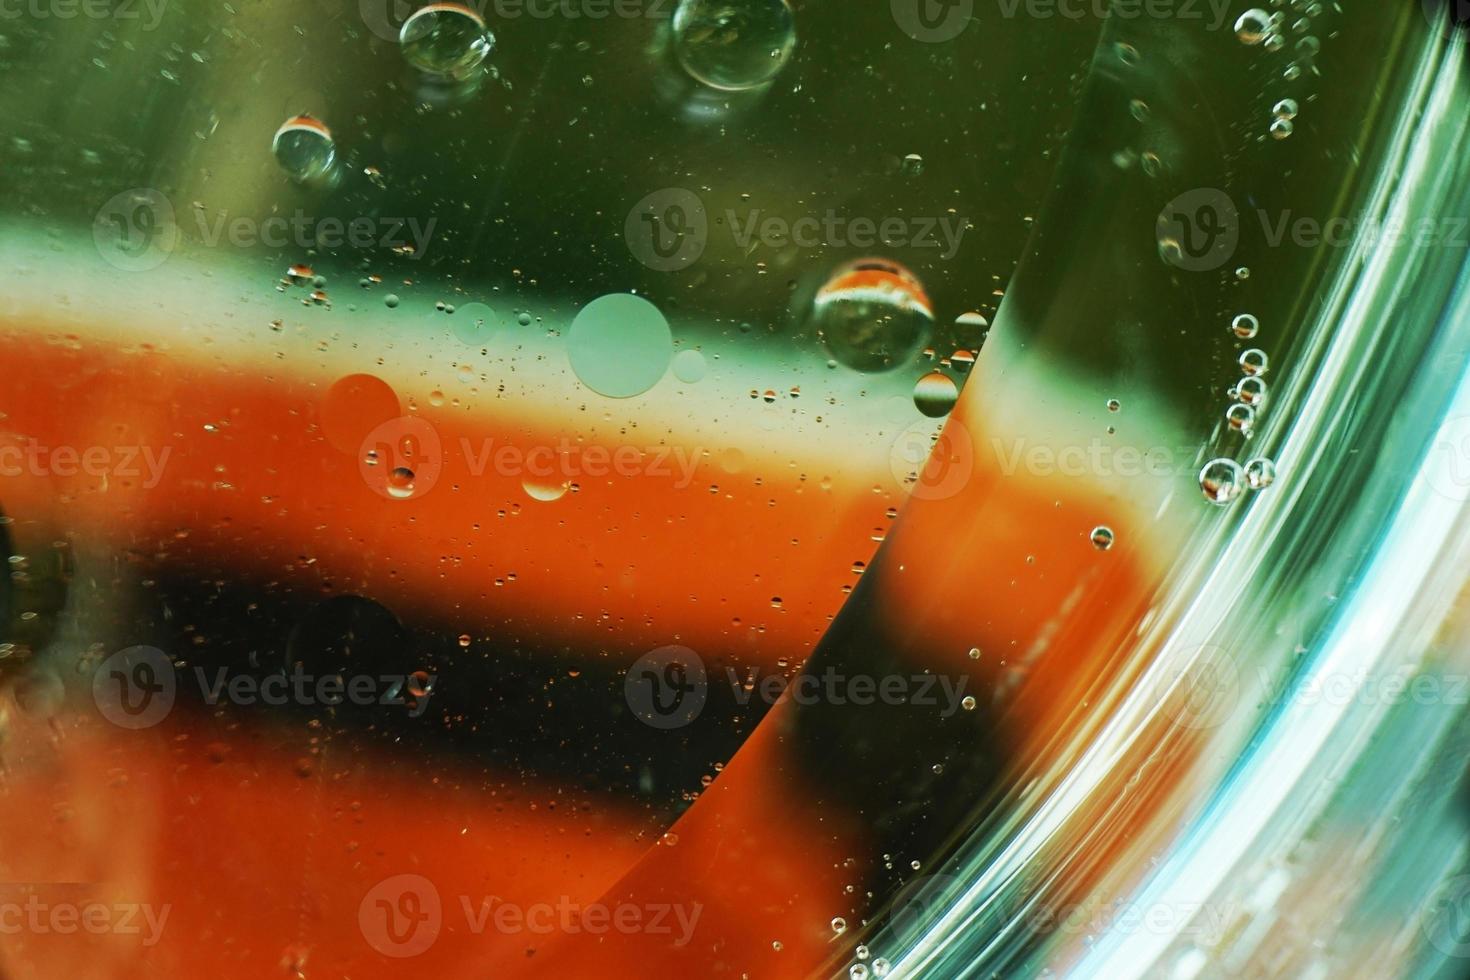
(1245,326)
(304,149)
(1281,129)
(1253,26)
(1254,361)
(1102,537)
(1222,480)
(1260,473)
(1285,109)
(446,39)
(1241,418)
(1251,391)
(839,925)
(968,702)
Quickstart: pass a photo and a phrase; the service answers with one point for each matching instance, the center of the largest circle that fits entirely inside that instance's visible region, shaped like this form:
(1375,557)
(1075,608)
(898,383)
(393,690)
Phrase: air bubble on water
(1254,361)
(690,366)
(1260,473)
(544,490)
(303,147)
(620,345)
(734,44)
(1222,481)
(1241,418)
(935,394)
(420,684)
(400,483)
(1252,391)
(1285,109)
(448,39)
(1282,128)
(1253,26)
(1245,326)
(873,315)
(1102,537)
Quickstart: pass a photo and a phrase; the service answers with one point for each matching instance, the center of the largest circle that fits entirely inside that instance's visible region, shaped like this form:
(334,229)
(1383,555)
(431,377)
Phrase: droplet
(1251,391)
(873,315)
(1260,473)
(1102,537)
(1241,418)
(1222,480)
(689,366)
(545,490)
(734,44)
(1245,326)
(620,345)
(1253,26)
(303,147)
(1254,361)
(391,301)
(935,394)
(400,483)
(445,39)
